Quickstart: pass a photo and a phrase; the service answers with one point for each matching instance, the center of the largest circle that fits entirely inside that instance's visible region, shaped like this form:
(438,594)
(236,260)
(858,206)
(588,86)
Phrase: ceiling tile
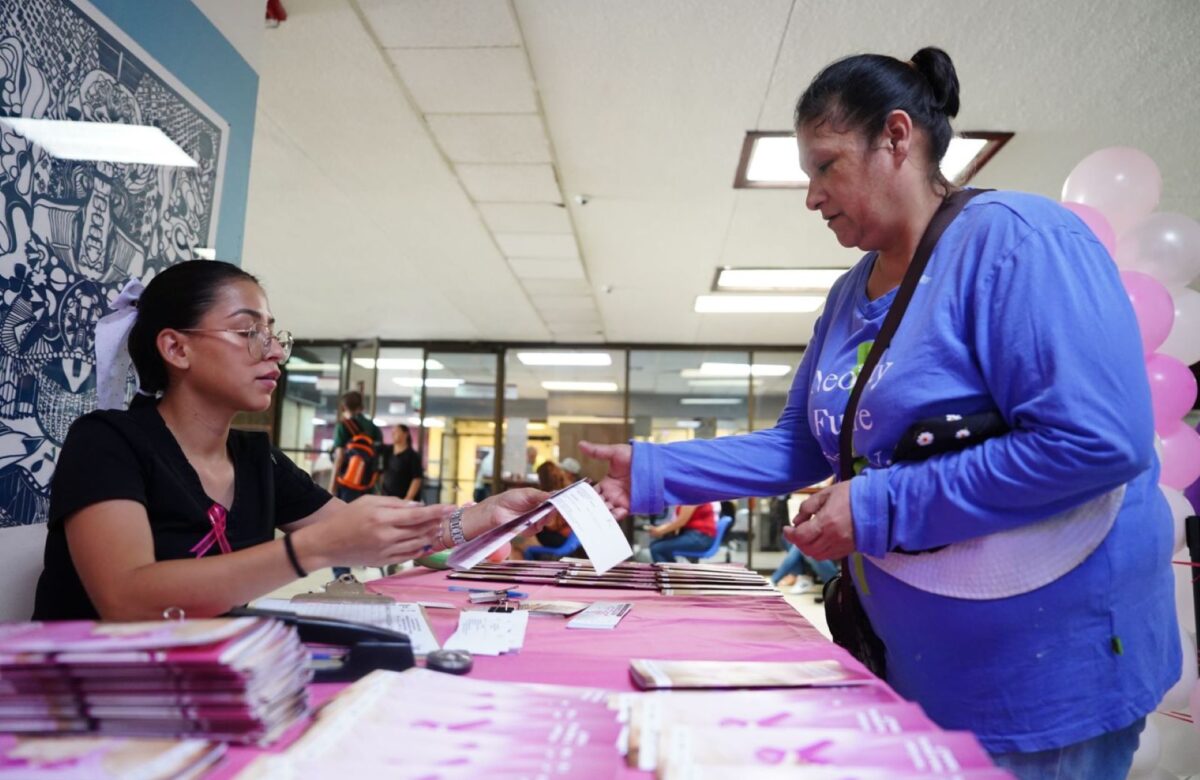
(491,138)
(525,218)
(537,245)
(544,287)
(550,304)
(429,23)
(467,81)
(538,268)
(510,183)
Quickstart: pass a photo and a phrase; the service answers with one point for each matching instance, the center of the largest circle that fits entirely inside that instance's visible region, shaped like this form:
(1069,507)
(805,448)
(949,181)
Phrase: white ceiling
(416,162)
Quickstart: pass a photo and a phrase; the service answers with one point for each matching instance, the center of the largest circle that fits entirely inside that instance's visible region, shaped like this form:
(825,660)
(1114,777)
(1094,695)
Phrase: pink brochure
(87,635)
(937,752)
(725,772)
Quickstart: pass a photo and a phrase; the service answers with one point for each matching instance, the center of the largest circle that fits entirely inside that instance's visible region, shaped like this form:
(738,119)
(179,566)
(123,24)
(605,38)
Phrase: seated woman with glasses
(164,507)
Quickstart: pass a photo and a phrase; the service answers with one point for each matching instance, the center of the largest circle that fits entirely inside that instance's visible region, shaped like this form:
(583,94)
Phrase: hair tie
(112,347)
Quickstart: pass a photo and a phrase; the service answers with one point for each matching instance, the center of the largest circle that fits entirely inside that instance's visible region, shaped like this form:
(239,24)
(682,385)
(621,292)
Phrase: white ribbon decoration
(112,347)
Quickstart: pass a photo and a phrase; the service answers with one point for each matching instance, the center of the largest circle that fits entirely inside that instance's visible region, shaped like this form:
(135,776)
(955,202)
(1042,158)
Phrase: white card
(467,555)
(586,513)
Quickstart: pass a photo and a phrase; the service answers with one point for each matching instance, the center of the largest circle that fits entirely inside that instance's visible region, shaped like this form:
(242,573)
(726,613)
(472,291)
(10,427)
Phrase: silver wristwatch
(457,536)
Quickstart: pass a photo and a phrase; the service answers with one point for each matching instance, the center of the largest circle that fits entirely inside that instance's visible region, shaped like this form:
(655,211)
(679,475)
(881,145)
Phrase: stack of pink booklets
(227,679)
(858,730)
(423,725)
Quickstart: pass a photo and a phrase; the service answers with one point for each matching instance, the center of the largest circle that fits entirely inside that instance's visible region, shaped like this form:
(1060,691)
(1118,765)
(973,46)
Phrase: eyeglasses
(258,339)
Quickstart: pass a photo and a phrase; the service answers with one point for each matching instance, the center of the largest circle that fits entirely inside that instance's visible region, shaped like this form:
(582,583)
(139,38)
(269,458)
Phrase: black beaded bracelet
(291,554)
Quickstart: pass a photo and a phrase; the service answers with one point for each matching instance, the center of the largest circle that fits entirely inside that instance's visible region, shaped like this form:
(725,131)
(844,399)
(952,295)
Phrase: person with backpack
(357,444)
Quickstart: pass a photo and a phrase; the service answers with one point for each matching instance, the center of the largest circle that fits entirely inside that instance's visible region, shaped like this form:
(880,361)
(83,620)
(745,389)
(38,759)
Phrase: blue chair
(723,524)
(570,545)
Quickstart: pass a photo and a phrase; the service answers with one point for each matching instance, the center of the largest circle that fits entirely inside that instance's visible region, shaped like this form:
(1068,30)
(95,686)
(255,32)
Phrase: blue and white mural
(72,233)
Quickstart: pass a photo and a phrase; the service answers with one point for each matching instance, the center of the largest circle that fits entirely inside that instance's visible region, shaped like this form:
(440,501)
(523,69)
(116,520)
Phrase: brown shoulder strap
(941,219)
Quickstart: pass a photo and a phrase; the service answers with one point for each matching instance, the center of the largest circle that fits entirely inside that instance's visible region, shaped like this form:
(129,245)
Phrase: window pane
(309,408)
(460,409)
(677,395)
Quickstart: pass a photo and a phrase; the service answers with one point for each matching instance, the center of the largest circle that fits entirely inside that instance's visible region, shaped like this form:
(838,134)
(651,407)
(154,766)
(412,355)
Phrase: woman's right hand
(615,488)
(371,531)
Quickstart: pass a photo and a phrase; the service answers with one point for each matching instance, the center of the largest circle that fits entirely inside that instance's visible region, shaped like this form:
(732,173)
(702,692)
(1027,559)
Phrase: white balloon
(1183,342)
(1176,699)
(1184,604)
(1194,707)
(1149,751)
(1181,509)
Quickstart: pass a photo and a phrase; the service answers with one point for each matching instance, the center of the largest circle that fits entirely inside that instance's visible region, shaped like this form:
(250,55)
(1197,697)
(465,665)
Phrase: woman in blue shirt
(1046,623)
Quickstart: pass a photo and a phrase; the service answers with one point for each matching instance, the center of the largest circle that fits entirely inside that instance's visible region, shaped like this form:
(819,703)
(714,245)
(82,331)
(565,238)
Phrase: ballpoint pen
(511,594)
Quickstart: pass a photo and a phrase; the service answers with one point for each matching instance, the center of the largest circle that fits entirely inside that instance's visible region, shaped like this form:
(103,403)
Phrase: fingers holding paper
(824,527)
(616,486)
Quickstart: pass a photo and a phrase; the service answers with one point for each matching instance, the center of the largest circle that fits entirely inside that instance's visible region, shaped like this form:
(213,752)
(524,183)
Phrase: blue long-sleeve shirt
(1020,311)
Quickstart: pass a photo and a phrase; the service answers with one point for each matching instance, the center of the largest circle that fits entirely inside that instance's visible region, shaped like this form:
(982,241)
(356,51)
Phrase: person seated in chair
(689,534)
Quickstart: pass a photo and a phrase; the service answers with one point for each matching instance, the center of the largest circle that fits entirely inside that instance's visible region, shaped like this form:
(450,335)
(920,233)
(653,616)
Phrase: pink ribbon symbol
(216,516)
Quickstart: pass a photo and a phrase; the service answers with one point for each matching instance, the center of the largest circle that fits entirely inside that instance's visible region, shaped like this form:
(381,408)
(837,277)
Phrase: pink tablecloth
(698,628)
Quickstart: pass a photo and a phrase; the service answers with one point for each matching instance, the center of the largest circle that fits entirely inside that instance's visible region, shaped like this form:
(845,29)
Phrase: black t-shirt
(132,455)
(400,470)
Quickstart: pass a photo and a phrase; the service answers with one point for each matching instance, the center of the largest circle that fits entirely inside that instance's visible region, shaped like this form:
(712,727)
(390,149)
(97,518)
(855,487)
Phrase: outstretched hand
(616,487)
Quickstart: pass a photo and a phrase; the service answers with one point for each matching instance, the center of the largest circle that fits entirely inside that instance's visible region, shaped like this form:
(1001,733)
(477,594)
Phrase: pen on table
(512,594)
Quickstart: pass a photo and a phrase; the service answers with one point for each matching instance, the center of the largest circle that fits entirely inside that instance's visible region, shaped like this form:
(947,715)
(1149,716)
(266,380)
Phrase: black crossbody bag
(848,621)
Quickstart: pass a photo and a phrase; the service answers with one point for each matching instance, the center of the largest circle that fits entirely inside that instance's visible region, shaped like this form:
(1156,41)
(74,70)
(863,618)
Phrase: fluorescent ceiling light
(708,369)
(724,303)
(693,424)
(713,383)
(430,422)
(415,381)
(302,379)
(299,364)
(102,141)
(771,160)
(319,421)
(710,401)
(565,358)
(768,279)
(581,387)
(398,364)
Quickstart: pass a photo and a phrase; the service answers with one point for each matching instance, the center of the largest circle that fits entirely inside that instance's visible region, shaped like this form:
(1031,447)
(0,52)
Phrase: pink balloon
(1120,182)
(1172,392)
(1181,457)
(1164,245)
(1153,306)
(1096,223)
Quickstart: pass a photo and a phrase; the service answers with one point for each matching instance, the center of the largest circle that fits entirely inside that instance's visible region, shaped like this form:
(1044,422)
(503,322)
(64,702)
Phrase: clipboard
(345,589)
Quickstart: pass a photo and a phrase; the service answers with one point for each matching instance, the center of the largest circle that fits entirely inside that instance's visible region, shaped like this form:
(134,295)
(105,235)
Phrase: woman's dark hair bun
(938,69)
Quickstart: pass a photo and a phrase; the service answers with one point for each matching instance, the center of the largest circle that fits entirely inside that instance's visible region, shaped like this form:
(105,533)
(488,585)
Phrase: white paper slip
(601,614)
(489,633)
(584,510)
(406,618)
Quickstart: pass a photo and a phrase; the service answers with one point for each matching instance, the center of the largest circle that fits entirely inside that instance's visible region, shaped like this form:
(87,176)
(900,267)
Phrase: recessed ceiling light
(710,401)
(775,279)
(770,160)
(398,364)
(693,424)
(724,303)
(102,141)
(714,369)
(565,358)
(415,381)
(580,387)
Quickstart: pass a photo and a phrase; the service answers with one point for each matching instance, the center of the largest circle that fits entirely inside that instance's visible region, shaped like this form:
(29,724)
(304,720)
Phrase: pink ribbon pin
(216,516)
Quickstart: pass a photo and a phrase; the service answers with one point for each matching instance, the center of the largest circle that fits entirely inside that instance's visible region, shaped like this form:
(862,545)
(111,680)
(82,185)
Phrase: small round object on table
(449,661)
